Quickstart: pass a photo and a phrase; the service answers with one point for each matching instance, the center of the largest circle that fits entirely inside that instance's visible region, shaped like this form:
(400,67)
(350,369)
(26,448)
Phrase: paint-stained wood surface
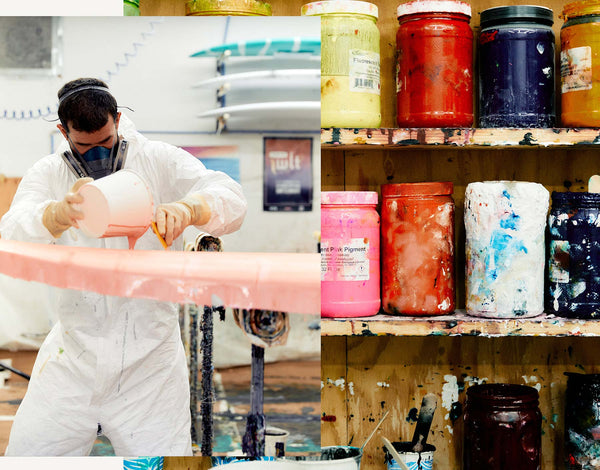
(333,395)
(458,324)
(187,463)
(8,187)
(459,137)
(395,373)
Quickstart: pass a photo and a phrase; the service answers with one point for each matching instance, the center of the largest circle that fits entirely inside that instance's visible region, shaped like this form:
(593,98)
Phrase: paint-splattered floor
(292,402)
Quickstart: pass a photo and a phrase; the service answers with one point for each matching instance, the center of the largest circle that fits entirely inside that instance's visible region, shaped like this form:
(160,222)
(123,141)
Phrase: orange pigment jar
(580,64)
(417,231)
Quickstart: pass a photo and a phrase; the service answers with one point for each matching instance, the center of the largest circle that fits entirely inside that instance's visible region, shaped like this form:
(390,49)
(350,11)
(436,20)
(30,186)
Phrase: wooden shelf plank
(459,137)
(459,324)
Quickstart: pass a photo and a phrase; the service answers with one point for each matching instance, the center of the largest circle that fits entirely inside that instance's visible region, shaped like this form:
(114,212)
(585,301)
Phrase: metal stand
(203,243)
(253,442)
(206,405)
(193,313)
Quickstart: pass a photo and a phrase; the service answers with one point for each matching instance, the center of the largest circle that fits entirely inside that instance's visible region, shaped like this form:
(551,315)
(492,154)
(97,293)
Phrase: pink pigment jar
(349,254)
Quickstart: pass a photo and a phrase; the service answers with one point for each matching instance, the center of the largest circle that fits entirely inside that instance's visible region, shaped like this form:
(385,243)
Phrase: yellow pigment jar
(580,64)
(227,8)
(350,71)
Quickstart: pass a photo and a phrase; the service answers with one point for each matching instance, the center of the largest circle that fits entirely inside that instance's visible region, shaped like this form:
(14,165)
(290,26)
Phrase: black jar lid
(502,395)
(584,378)
(517,14)
(575,199)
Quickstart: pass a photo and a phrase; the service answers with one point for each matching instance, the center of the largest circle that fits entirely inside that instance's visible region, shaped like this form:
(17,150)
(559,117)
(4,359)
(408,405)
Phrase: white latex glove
(172,218)
(61,215)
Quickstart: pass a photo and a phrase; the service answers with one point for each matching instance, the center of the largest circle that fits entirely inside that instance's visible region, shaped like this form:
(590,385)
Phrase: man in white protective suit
(112,362)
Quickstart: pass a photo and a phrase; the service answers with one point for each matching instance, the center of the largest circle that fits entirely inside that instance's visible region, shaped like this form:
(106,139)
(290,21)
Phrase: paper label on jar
(364,71)
(576,69)
(559,261)
(347,261)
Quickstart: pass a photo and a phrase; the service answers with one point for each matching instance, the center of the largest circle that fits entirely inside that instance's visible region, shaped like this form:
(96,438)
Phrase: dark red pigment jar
(434,81)
(503,428)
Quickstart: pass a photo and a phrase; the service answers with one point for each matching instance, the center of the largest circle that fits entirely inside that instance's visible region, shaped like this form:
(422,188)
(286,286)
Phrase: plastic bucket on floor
(115,206)
(273,436)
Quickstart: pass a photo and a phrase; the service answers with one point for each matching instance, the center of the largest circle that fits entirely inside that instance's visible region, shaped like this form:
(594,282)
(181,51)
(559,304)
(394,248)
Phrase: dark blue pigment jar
(574,255)
(582,423)
(516,67)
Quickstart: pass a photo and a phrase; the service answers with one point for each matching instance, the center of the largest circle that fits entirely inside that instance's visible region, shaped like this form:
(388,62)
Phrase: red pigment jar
(349,254)
(417,248)
(434,81)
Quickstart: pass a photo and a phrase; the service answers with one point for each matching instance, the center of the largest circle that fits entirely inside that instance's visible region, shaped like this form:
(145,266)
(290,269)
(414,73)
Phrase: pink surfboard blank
(287,282)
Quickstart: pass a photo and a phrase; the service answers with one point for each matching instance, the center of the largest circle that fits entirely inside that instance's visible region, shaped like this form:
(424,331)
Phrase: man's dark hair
(87,110)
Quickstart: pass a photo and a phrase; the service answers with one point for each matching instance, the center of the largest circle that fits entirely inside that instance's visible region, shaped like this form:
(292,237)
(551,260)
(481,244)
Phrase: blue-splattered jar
(582,422)
(574,255)
(516,67)
(505,251)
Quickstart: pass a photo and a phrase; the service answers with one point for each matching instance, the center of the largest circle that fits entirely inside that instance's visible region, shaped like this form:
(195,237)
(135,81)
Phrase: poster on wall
(288,182)
(218,158)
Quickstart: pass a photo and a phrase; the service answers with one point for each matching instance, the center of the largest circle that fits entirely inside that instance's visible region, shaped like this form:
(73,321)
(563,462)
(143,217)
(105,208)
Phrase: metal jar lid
(517,14)
(581,8)
(433,6)
(349,198)
(417,189)
(340,6)
(227,7)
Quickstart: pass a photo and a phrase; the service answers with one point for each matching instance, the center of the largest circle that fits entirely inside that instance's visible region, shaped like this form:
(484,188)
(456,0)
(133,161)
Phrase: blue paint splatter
(511,222)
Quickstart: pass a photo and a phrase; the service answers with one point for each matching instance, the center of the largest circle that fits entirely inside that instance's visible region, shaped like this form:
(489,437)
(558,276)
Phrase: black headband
(82,88)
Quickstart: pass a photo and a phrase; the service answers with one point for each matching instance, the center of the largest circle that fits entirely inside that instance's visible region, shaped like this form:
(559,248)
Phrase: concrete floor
(292,398)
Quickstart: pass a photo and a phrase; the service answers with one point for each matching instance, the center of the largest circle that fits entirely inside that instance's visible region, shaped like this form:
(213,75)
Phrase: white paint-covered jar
(350,64)
(505,222)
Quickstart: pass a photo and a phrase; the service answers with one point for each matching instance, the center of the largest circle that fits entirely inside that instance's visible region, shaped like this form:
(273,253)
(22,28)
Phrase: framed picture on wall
(30,45)
(288,182)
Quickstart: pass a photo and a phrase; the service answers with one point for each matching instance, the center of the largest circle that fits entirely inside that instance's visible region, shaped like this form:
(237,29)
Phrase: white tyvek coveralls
(113,361)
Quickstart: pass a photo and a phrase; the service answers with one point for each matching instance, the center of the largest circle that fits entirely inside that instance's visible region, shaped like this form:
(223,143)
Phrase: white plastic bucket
(118,205)
(274,435)
(412,460)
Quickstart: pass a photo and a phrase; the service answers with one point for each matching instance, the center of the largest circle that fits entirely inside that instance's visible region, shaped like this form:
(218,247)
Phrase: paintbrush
(161,239)
(373,432)
(394,453)
(428,406)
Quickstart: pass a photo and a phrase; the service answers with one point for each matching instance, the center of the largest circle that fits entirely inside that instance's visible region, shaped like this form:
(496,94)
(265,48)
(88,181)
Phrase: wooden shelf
(459,324)
(460,137)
